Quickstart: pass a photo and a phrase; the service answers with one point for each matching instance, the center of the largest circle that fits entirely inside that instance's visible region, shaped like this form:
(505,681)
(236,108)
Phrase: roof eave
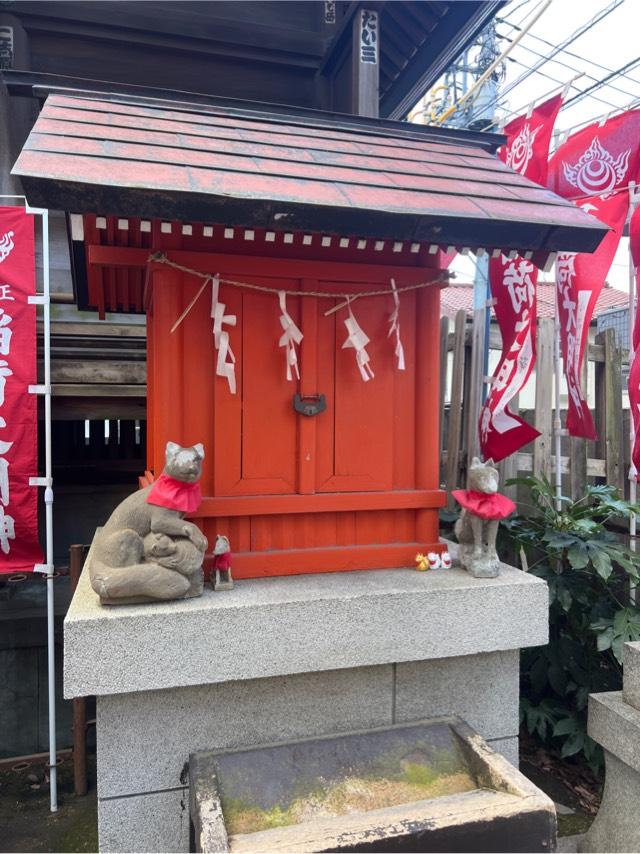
(274,214)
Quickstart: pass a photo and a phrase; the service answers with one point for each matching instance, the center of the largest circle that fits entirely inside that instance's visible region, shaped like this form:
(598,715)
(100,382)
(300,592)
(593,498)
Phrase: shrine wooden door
(343,489)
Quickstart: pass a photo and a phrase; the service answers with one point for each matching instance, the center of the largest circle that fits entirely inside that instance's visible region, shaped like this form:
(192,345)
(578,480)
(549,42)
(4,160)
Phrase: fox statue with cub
(147,551)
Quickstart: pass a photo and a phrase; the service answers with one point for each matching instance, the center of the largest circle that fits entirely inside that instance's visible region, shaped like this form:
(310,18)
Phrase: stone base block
(144,739)
(481,689)
(507,747)
(158,821)
(300,624)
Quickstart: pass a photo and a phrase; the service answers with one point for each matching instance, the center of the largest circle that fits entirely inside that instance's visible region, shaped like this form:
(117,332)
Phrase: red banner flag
(598,159)
(19,546)
(594,168)
(513,286)
(634,372)
(528,139)
(579,282)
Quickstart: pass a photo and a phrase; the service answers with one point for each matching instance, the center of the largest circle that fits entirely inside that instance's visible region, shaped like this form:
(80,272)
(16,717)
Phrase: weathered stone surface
(616,827)
(481,689)
(616,726)
(298,624)
(631,675)
(488,805)
(144,740)
(158,821)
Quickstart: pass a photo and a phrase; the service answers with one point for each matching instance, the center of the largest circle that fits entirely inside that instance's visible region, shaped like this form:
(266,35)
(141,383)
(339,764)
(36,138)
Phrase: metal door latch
(314,404)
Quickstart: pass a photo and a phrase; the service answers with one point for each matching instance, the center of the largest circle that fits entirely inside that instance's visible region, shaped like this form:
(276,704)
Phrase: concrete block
(482,689)
(147,823)
(299,624)
(144,740)
(616,726)
(631,674)
(507,747)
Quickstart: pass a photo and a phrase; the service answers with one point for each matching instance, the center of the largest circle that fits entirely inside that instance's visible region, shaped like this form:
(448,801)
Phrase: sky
(611,43)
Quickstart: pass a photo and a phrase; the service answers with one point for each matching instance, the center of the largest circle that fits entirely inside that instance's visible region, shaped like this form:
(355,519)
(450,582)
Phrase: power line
(558,48)
(586,73)
(571,53)
(634,63)
(562,83)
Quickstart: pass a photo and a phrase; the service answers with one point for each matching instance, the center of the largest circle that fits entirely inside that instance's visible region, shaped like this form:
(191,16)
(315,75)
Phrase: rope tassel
(358,340)
(226,361)
(290,338)
(394,326)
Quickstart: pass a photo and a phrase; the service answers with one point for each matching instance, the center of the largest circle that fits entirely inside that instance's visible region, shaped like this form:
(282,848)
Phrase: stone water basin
(427,786)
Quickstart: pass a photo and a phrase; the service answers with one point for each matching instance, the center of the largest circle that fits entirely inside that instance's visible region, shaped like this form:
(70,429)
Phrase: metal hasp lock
(314,404)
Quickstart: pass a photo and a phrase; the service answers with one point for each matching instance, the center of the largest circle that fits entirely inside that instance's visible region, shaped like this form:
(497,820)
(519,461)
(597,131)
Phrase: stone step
(631,675)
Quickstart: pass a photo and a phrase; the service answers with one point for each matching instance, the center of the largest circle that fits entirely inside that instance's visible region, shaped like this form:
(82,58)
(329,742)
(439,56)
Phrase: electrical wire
(559,83)
(599,16)
(571,53)
(634,63)
(586,73)
(581,93)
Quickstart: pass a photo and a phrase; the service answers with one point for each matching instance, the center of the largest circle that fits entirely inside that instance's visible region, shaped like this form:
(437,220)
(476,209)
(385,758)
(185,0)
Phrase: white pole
(48,503)
(557,422)
(633,486)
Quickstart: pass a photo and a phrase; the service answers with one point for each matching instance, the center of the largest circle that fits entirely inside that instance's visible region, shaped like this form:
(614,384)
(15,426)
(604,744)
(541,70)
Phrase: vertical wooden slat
(508,467)
(474,390)
(578,447)
(613,409)
(455,407)
(444,342)
(543,445)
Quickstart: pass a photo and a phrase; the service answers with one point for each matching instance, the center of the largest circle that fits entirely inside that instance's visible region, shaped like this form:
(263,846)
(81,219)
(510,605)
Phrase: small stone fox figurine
(146,551)
(477,527)
(221,578)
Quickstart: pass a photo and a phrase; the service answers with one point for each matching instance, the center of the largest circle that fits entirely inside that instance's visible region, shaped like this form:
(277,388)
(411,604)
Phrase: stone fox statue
(147,551)
(477,527)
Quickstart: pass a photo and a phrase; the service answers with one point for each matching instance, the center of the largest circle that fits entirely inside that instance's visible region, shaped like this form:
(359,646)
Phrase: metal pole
(48,503)
(633,485)
(557,422)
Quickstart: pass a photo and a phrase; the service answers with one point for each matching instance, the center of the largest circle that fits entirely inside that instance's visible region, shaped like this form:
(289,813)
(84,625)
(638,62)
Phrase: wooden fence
(604,460)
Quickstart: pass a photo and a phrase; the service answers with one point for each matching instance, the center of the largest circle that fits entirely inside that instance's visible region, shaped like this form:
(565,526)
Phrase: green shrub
(590,572)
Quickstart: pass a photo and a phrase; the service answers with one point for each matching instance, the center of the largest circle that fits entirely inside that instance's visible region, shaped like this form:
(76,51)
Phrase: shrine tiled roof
(315,171)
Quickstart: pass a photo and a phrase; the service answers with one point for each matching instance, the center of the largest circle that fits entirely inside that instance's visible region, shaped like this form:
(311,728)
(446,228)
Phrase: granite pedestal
(287,658)
(614,722)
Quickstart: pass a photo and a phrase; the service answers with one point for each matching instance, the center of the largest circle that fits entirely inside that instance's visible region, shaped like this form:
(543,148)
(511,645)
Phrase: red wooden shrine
(301,201)
(354,487)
